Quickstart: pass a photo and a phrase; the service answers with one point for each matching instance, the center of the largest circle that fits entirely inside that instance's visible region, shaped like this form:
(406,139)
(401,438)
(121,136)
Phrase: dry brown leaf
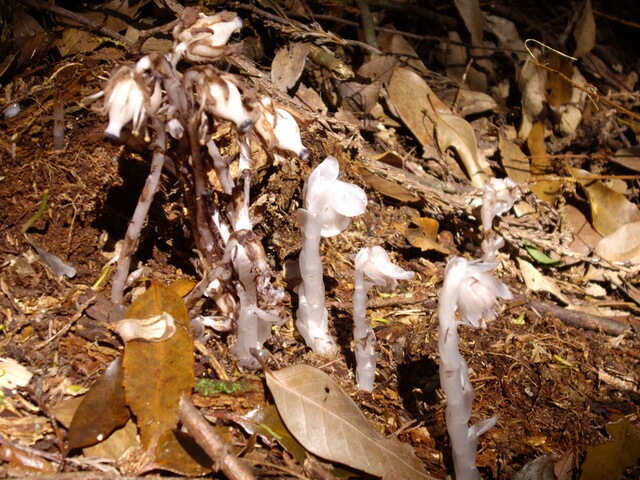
(425,235)
(288,65)
(179,453)
(76,40)
(116,444)
(622,245)
(470,12)
(472,102)
(628,158)
(378,69)
(103,409)
(558,90)
(531,83)
(546,190)
(326,421)
(585,237)
(398,47)
(455,132)
(415,103)
(359,97)
(157,374)
(537,282)
(609,209)
(514,161)
(585,32)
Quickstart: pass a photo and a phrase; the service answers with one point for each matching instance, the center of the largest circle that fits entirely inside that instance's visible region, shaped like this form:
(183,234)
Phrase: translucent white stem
(363,335)
(312,317)
(454,377)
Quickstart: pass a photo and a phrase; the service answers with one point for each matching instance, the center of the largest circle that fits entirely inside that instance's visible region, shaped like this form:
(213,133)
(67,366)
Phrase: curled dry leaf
(424,235)
(537,282)
(102,410)
(455,132)
(326,421)
(609,208)
(541,165)
(415,104)
(584,33)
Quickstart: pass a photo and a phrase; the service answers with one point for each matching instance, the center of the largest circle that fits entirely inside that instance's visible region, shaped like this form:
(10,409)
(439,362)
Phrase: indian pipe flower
(372,267)
(219,95)
(128,99)
(332,201)
(278,129)
(329,205)
(207,38)
(470,289)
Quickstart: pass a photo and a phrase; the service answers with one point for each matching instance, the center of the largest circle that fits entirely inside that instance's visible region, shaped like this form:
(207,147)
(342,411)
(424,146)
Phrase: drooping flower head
(218,94)
(475,291)
(279,129)
(206,39)
(332,201)
(375,264)
(498,196)
(129,98)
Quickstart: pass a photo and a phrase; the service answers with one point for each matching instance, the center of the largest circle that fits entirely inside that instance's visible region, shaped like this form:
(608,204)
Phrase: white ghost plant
(329,205)
(372,267)
(470,289)
(130,97)
(219,95)
(278,129)
(498,196)
(206,39)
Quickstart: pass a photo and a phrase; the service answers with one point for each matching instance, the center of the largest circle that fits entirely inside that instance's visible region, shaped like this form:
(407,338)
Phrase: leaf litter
(590,125)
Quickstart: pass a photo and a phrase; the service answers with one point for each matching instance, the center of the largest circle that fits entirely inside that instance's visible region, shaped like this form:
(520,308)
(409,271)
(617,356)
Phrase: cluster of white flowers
(183,94)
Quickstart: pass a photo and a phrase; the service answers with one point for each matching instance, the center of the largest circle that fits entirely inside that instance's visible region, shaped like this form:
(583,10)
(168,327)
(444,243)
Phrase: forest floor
(559,365)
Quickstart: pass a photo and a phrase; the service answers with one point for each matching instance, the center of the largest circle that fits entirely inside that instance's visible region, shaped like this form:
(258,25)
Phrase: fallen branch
(212,443)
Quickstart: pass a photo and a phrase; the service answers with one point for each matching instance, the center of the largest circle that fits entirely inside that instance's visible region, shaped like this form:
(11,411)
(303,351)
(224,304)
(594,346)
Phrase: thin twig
(212,443)
(368,25)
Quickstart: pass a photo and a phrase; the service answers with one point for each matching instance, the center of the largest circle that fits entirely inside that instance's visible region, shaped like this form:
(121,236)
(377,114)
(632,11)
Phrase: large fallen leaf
(326,421)
(116,444)
(609,208)
(558,90)
(531,83)
(415,104)
(622,245)
(179,453)
(288,64)
(103,409)
(267,424)
(585,237)
(455,132)
(470,12)
(157,373)
(610,459)
(628,158)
